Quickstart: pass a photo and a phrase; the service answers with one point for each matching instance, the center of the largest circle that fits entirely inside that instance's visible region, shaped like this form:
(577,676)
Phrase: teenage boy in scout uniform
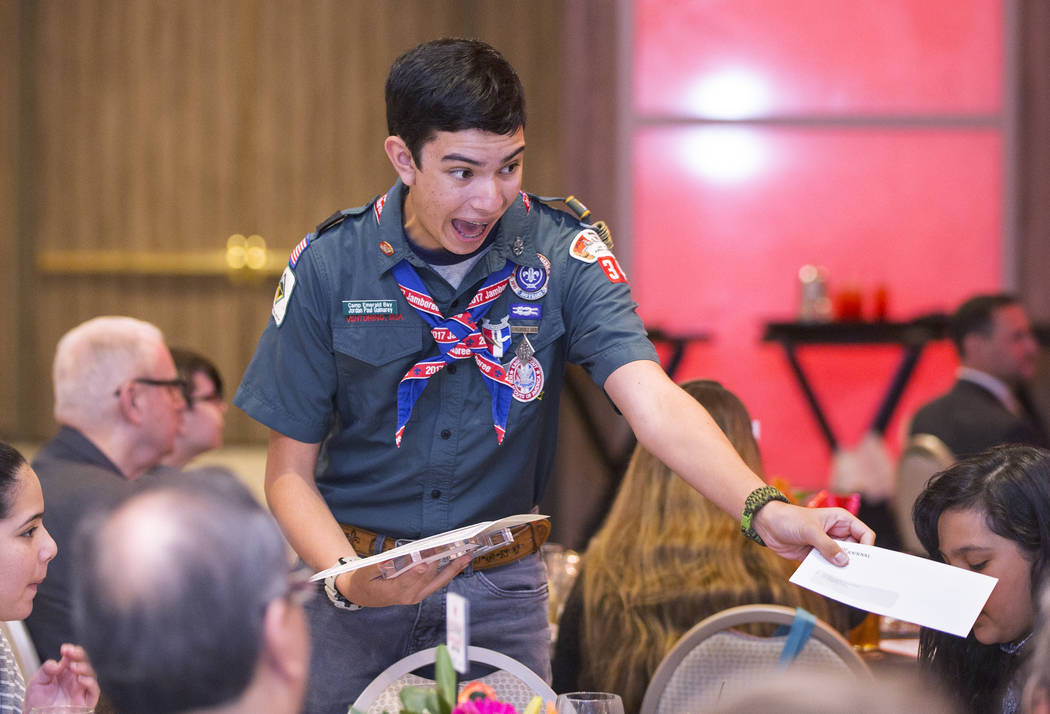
(411,373)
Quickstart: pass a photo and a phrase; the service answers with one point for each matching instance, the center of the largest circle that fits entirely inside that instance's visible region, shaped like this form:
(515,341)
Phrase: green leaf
(417,700)
(446,680)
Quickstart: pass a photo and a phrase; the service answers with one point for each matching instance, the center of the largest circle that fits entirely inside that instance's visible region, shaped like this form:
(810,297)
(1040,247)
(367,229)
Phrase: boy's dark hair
(977,315)
(452,85)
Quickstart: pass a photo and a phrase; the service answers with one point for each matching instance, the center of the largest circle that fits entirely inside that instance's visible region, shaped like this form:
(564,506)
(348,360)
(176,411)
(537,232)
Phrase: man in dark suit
(989,403)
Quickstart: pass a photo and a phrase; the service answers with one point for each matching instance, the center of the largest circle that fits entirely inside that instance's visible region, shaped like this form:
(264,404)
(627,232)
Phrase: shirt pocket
(378,344)
(371,361)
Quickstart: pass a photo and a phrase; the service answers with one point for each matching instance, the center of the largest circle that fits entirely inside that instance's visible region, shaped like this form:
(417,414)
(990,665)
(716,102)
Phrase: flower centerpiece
(476,697)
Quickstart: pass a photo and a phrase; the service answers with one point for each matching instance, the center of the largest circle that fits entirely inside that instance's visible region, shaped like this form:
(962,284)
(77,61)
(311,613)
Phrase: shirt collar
(73,445)
(513,225)
(1000,389)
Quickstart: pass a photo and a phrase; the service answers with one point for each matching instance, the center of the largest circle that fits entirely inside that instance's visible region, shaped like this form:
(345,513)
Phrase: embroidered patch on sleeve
(588,247)
(612,268)
(585,246)
(297,251)
(283,295)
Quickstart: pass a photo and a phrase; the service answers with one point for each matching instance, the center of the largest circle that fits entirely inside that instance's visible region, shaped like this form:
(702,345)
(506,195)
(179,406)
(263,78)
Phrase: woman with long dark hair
(991,514)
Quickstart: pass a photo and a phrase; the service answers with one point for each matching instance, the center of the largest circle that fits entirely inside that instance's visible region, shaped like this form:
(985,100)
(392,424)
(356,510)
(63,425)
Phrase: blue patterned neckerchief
(457,337)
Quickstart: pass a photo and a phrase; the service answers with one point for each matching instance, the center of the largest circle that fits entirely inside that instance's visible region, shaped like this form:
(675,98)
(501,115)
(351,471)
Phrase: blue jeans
(508,613)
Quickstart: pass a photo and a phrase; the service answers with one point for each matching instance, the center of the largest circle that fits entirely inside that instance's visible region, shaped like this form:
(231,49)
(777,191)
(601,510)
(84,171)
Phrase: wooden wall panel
(167,126)
(9,216)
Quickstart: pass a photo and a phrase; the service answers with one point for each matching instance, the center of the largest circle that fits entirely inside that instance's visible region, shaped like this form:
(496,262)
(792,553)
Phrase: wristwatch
(336,597)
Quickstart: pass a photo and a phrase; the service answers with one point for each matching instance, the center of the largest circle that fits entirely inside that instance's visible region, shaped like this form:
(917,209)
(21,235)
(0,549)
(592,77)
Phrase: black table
(911,336)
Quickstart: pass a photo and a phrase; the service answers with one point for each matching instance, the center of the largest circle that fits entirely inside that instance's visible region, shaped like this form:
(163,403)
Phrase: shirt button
(451,368)
(445,433)
(435,493)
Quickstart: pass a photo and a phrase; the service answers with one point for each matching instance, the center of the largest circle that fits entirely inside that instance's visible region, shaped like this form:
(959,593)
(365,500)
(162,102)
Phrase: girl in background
(25,550)
(664,559)
(991,514)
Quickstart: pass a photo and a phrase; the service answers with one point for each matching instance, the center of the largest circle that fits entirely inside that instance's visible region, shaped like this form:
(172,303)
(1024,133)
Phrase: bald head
(170,589)
(142,544)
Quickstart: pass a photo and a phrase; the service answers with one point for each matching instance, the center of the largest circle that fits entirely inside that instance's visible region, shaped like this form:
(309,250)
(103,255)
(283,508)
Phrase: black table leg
(814,404)
(896,388)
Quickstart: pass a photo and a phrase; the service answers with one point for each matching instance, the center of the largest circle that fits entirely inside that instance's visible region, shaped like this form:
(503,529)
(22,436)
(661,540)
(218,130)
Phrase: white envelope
(899,585)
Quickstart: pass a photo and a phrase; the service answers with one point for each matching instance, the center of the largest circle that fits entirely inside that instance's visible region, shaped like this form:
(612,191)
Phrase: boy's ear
(401,158)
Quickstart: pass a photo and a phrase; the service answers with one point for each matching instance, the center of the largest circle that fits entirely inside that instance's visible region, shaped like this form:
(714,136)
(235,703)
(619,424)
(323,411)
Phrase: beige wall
(161,127)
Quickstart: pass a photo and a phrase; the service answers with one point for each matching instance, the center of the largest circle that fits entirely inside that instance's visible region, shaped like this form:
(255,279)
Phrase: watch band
(336,597)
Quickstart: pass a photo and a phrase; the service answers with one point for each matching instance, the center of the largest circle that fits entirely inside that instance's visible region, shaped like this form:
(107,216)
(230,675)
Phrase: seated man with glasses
(183,598)
(118,401)
(203,420)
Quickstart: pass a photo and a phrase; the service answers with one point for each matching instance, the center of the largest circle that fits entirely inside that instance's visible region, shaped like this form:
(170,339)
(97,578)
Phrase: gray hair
(170,590)
(92,360)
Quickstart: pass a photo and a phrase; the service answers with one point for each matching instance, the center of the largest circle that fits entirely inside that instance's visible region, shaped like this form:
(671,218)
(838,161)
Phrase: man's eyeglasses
(192,401)
(178,383)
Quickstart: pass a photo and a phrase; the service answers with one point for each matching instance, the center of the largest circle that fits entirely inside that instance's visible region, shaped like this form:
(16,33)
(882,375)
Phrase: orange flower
(476,688)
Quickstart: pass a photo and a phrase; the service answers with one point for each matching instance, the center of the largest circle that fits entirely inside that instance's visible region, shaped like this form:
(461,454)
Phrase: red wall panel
(871,146)
(752,58)
(916,211)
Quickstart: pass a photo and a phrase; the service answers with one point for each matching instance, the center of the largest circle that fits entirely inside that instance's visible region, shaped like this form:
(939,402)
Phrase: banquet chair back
(712,661)
(922,457)
(513,682)
(22,648)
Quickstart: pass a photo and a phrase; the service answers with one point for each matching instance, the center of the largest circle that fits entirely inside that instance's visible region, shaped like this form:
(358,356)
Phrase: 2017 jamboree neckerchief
(457,337)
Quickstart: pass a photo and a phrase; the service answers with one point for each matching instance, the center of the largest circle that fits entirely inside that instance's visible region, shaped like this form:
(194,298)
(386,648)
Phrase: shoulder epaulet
(338,217)
(581,212)
(331,222)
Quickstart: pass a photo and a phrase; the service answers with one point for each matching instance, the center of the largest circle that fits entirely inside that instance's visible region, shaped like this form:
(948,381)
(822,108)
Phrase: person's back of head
(666,557)
(452,85)
(820,692)
(179,598)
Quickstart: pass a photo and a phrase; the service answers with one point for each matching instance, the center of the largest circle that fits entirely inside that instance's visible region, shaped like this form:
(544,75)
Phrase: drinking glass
(589,703)
(865,636)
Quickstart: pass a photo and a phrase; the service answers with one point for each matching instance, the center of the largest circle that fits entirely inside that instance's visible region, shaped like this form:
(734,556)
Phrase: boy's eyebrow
(473,162)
